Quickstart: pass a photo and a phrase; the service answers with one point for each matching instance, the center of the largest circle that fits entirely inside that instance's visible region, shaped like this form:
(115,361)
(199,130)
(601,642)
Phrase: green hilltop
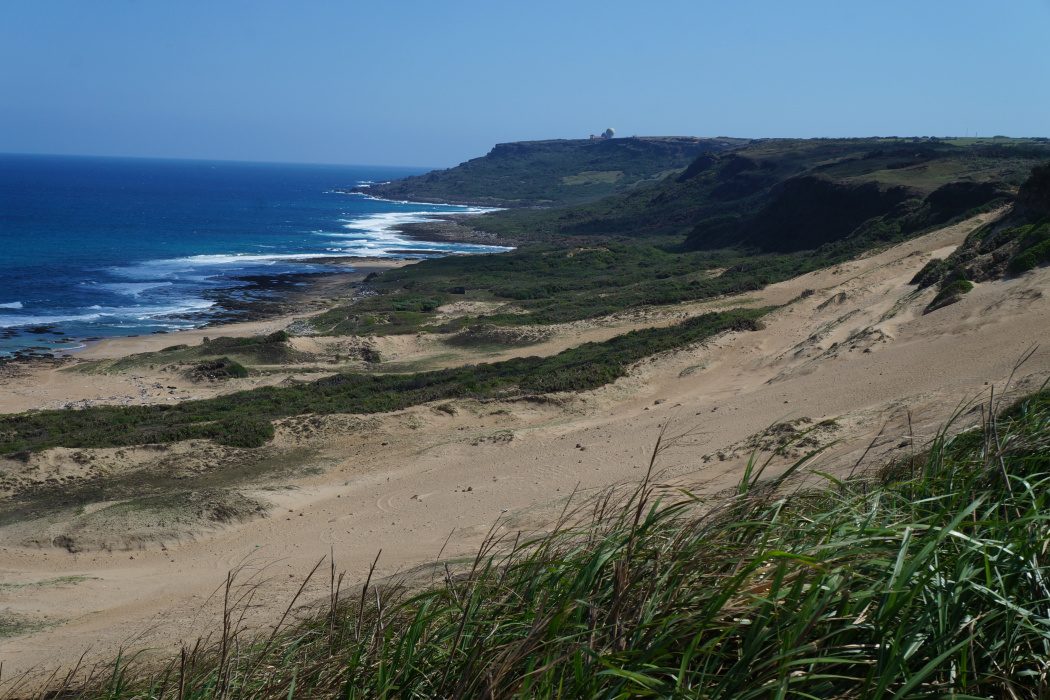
(555,172)
(732,221)
(794,194)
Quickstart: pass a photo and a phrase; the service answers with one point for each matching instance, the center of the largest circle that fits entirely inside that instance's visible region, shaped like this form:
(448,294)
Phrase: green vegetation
(14,624)
(552,284)
(223,368)
(957,287)
(169,495)
(730,222)
(593,177)
(826,187)
(651,184)
(1034,243)
(219,358)
(237,430)
(243,419)
(489,336)
(790,194)
(547,173)
(927,578)
(950,294)
(1013,246)
(60,581)
(271,349)
(134,522)
(547,284)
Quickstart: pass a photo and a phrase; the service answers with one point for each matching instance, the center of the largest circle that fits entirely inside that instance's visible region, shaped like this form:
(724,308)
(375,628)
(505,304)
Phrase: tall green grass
(925,578)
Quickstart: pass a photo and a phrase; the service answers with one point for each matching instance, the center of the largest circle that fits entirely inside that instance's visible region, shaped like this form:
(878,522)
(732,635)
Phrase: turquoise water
(101,247)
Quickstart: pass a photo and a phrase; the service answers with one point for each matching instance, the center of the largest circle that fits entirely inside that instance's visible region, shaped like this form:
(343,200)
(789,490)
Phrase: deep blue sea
(102,247)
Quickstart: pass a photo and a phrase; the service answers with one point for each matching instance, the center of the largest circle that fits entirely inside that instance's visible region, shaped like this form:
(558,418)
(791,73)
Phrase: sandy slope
(857,348)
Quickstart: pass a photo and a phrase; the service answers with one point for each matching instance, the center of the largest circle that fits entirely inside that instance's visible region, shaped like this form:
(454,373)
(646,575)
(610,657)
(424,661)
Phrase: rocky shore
(452,228)
(260,299)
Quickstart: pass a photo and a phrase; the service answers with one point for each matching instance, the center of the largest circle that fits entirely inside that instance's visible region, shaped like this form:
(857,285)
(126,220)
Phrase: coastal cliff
(554,172)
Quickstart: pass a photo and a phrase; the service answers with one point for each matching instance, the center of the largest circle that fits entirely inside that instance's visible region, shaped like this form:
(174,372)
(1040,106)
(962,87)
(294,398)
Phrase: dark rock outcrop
(806,213)
(1014,244)
(1033,197)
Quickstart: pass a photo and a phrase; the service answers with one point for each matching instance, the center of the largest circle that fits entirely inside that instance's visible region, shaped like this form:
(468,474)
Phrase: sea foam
(138,246)
(375,234)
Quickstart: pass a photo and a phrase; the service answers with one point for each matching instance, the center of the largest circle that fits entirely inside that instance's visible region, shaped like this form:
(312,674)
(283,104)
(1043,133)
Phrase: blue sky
(401,82)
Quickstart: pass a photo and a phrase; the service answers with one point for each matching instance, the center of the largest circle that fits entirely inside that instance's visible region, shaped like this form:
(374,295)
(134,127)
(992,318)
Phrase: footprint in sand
(248,560)
(547,474)
(393,502)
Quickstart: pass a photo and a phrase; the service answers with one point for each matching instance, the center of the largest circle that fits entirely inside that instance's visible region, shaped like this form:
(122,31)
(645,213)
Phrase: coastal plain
(848,351)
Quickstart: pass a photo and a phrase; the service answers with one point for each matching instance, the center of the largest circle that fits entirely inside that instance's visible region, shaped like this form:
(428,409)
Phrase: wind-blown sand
(435,479)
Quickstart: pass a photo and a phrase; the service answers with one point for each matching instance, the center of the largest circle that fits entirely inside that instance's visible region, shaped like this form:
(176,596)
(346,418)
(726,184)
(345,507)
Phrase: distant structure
(607,134)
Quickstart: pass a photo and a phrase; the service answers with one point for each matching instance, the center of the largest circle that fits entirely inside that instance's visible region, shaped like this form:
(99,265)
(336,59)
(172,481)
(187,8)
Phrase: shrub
(931,273)
(241,431)
(1035,245)
(949,294)
(957,287)
(370,355)
(223,368)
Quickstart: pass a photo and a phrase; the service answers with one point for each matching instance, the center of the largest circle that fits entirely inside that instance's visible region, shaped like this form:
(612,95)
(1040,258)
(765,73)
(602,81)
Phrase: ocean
(102,247)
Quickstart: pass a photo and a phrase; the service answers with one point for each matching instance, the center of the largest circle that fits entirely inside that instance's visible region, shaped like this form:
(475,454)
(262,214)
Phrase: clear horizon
(424,85)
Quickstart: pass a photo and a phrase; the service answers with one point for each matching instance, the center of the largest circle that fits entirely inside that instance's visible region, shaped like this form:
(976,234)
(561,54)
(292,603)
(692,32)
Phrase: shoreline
(255,316)
(445,227)
(362,190)
(450,228)
(268,296)
(324,291)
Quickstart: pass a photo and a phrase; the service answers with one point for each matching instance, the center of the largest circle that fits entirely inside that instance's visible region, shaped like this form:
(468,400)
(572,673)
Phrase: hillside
(1010,246)
(800,207)
(794,194)
(553,173)
(731,222)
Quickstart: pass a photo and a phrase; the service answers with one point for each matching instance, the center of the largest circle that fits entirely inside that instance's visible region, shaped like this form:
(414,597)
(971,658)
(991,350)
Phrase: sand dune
(852,346)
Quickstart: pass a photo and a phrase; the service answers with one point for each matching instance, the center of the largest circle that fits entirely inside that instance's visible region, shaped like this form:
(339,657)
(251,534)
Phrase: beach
(40,382)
